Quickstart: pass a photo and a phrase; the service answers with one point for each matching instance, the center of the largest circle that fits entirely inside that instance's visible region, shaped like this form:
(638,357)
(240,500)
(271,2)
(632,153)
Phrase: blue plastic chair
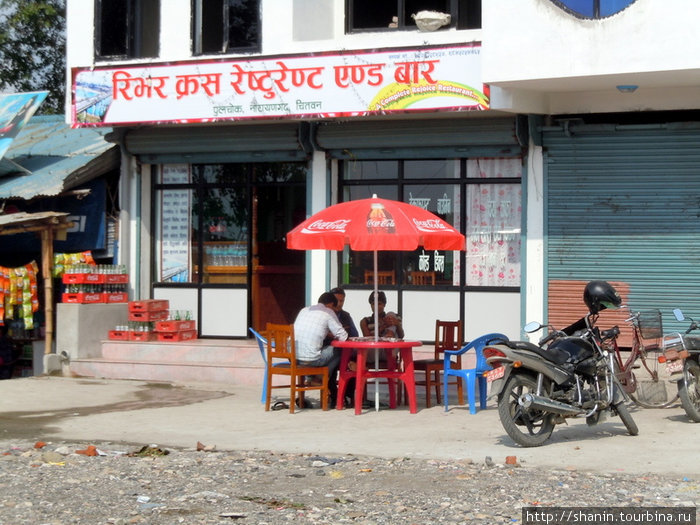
(470,374)
(262,343)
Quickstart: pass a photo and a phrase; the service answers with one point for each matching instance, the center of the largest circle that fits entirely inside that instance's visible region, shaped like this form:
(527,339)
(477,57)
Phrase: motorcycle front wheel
(626,418)
(689,389)
(528,428)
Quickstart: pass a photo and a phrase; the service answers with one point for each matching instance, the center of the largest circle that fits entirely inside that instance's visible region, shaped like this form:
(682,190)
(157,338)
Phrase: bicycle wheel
(652,388)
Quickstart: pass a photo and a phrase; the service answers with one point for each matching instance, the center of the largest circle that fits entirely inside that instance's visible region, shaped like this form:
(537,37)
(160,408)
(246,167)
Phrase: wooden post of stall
(47,235)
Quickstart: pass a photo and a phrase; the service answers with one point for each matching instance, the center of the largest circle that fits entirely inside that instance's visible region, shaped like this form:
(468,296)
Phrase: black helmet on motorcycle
(599,295)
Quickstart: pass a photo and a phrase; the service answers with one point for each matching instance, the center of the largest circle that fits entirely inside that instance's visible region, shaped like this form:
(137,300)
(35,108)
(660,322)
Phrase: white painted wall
(287,28)
(538,58)
(537,40)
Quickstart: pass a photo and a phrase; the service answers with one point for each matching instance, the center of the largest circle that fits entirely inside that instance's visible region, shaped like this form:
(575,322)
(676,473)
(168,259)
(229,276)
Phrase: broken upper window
(225,26)
(371,15)
(127,28)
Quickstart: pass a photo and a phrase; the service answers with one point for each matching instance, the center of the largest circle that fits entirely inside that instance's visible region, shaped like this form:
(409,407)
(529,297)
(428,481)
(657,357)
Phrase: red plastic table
(362,373)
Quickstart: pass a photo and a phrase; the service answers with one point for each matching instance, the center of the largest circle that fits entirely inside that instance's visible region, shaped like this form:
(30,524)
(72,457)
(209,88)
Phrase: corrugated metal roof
(22,221)
(57,157)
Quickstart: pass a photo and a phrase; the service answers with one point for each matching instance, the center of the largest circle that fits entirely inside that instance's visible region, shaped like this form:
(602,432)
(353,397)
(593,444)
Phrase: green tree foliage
(33,49)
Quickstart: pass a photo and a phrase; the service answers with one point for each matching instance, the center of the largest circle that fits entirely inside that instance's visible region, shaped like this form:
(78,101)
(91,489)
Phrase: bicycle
(639,373)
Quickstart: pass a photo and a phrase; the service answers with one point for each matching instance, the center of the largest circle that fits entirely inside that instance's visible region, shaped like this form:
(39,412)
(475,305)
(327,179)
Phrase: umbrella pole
(376,333)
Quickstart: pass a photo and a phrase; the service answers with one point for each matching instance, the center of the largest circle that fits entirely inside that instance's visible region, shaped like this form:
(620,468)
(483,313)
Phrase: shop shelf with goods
(87,283)
(225,262)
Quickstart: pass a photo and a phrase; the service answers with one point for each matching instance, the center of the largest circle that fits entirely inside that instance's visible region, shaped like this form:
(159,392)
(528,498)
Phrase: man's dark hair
(328,298)
(338,291)
(381,298)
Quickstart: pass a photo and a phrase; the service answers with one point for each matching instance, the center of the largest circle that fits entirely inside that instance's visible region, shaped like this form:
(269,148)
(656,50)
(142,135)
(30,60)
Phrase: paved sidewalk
(231,417)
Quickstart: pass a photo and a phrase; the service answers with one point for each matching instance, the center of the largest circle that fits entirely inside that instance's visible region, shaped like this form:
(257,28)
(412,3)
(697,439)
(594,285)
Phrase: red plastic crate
(115,297)
(83,278)
(116,278)
(175,326)
(149,305)
(174,337)
(148,316)
(82,298)
(142,336)
(118,335)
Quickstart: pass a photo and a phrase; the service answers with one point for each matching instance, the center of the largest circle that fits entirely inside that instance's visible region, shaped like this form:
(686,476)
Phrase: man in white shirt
(311,327)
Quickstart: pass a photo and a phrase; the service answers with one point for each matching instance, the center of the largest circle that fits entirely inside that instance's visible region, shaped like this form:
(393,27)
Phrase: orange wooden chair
(281,360)
(422,278)
(448,336)
(383,277)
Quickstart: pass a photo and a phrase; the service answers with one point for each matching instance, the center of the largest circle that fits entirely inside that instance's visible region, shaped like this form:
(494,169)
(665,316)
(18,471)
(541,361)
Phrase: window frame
(197,31)
(134,46)
(401,182)
(463,14)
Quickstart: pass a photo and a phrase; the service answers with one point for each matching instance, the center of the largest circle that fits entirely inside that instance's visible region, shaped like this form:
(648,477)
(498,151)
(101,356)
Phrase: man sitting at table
(344,317)
(389,323)
(312,325)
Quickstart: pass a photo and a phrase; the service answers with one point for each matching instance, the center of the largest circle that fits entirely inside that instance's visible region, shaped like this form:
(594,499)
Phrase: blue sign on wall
(593,8)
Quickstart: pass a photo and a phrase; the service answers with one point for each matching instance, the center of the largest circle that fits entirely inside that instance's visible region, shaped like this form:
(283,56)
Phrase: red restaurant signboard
(341,84)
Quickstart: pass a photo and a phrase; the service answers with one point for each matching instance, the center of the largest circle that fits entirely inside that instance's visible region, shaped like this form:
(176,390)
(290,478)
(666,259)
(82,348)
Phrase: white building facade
(239,118)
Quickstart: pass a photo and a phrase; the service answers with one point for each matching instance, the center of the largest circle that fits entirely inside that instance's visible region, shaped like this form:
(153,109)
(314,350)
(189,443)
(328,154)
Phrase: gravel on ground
(118,484)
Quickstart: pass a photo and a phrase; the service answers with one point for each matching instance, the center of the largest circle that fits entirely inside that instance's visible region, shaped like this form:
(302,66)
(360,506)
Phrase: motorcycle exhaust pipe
(533,402)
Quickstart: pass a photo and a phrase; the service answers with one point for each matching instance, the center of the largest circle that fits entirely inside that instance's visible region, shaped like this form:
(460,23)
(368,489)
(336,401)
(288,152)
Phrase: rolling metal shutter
(423,138)
(232,143)
(623,204)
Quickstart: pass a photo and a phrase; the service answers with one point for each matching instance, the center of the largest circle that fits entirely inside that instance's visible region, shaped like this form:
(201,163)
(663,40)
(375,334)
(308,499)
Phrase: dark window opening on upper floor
(363,15)
(127,28)
(225,26)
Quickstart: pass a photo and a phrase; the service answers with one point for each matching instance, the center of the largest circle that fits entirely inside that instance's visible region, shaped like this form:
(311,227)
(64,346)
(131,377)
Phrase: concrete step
(199,360)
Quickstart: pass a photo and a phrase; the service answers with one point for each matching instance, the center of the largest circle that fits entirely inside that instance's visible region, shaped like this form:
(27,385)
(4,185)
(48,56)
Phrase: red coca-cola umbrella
(372,225)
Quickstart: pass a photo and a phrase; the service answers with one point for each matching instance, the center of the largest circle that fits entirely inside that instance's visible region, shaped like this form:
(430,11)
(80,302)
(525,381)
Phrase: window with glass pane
(224,220)
(397,14)
(431,169)
(177,255)
(371,169)
(222,26)
(356,264)
(437,267)
(493,222)
(127,28)
(493,235)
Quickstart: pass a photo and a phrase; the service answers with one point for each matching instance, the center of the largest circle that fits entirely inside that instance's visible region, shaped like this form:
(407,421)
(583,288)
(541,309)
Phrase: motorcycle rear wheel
(527,428)
(689,389)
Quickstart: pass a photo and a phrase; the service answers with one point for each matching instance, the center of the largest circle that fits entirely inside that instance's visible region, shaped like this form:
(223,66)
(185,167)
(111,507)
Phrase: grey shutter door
(623,204)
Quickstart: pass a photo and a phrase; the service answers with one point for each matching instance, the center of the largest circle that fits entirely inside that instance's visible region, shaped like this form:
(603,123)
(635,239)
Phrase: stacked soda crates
(87,284)
(142,318)
(177,327)
(143,315)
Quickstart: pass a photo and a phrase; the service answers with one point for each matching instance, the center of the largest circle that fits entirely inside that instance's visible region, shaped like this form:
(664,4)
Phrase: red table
(362,373)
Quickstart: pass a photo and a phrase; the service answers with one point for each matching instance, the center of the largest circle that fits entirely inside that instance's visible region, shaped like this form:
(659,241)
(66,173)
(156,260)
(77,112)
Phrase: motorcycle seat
(557,358)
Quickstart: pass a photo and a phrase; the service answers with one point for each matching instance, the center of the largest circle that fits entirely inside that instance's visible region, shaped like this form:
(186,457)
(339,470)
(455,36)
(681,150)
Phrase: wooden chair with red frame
(281,360)
(449,335)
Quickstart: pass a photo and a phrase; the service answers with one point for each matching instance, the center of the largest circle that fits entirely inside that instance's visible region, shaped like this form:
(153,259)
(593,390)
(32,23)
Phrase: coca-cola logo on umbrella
(431,225)
(326,226)
(380,220)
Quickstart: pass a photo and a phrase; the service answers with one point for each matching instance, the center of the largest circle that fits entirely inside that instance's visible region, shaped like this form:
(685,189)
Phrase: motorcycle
(567,374)
(681,353)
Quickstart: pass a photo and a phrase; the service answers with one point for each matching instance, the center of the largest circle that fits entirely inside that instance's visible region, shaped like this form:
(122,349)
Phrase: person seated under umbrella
(389,322)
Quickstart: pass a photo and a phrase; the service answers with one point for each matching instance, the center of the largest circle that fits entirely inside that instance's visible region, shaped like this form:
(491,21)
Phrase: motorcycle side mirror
(534,326)
(678,314)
